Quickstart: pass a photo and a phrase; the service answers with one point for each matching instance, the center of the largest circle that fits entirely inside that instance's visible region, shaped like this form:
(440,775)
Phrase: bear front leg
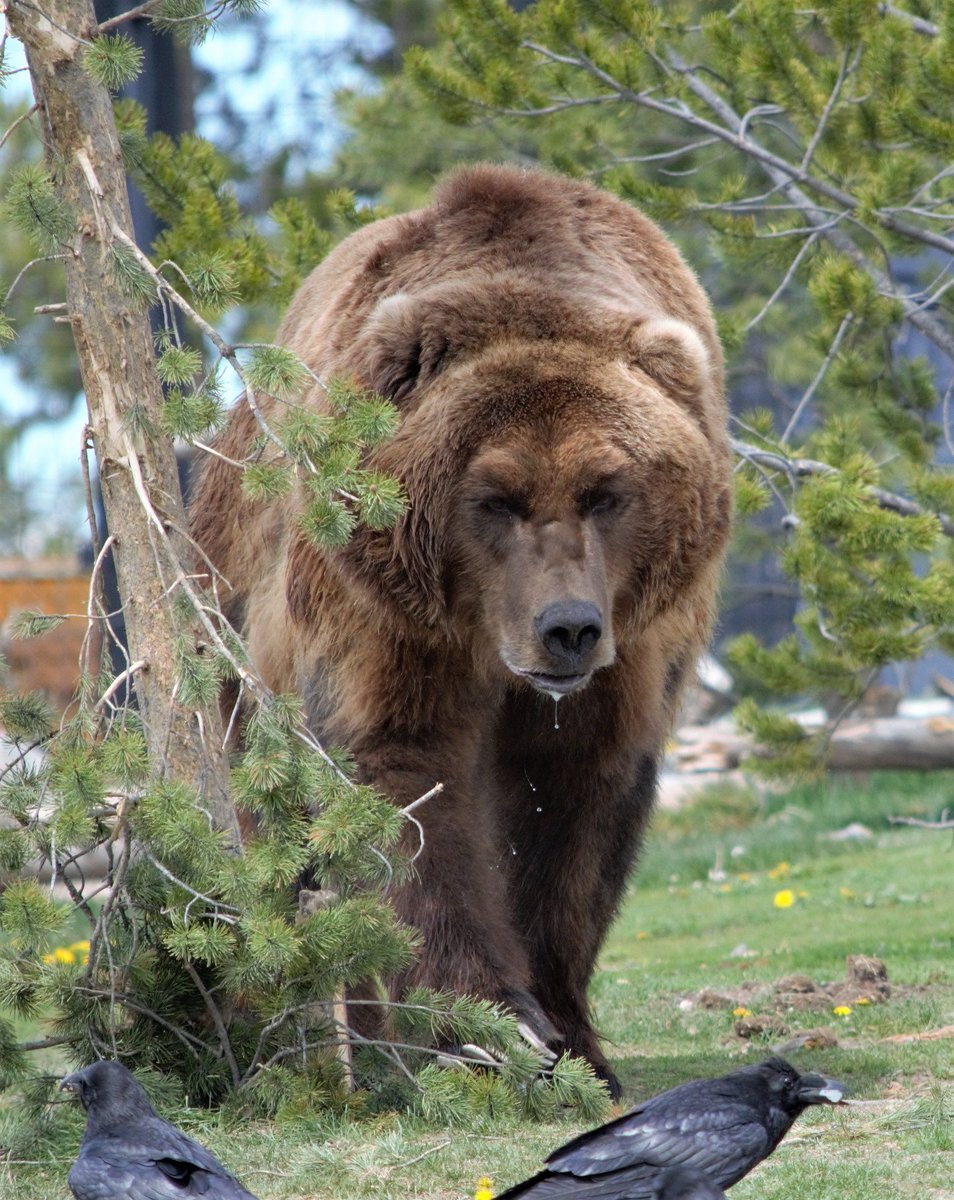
(456,896)
(576,836)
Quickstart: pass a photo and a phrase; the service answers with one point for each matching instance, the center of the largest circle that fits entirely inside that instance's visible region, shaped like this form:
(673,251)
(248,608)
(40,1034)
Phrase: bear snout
(569,630)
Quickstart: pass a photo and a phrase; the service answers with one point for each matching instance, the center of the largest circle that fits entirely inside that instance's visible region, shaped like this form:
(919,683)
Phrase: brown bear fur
(563,448)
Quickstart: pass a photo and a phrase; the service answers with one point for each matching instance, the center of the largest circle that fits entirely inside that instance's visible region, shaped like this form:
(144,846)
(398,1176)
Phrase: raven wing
(641,1182)
(724,1142)
(154,1160)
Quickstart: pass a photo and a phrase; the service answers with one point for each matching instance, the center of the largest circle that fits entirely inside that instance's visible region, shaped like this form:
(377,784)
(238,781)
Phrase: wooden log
(878,744)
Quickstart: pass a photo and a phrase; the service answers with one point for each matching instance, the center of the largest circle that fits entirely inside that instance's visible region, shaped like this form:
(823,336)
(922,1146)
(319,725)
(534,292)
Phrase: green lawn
(890,895)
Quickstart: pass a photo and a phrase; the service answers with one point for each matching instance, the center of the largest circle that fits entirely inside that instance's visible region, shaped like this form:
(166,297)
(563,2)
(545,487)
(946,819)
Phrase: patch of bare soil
(769,1005)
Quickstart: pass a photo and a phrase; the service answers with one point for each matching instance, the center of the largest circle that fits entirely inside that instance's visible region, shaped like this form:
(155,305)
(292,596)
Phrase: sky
(48,456)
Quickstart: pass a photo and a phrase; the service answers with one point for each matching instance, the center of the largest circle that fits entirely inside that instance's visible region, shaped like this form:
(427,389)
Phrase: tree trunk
(137,464)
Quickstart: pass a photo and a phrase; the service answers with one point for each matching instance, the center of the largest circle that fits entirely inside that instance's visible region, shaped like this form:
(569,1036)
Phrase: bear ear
(674,355)
(402,348)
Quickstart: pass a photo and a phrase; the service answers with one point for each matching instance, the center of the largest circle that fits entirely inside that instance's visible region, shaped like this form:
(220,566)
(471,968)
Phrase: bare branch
(23,270)
(409,809)
(816,382)
(8,132)
(133,669)
(220,1028)
(928,28)
(786,280)
(141,10)
(848,64)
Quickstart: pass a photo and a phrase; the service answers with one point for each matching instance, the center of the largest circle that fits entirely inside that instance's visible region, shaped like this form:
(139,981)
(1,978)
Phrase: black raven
(720,1127)
(684,1183)
(130,1153)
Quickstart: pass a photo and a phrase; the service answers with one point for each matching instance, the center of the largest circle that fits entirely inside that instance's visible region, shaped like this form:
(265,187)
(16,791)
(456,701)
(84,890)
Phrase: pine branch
(801,468)
(732,128)
(786,178)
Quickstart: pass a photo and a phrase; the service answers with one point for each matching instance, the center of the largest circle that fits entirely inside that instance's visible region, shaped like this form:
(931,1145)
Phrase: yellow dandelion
(802,895)
(846,893)
(484,1189)
(842,1010)
(725,887)
(779,871)
(744,877)
(84,946)
(63,955)
(784,899)
(741,1012)
(49,958)
(862,1000)
(642,935)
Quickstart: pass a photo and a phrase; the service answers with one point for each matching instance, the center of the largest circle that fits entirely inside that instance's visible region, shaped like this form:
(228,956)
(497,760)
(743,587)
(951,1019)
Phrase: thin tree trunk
(113,340)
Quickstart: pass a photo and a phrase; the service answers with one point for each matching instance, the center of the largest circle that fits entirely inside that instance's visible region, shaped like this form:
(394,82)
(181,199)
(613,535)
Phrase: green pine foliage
(36,209)
(206,964)
(797,152)
(113,60)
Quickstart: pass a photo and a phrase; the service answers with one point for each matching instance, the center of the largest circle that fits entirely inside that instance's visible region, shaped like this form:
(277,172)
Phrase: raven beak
(816,1089)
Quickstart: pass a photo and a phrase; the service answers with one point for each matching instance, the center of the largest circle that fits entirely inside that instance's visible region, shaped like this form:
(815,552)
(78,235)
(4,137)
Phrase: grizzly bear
(522,634)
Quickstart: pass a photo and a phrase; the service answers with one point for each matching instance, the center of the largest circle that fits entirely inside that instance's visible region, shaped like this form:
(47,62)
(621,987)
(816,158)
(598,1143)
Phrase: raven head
(794,1091)
(108,1091)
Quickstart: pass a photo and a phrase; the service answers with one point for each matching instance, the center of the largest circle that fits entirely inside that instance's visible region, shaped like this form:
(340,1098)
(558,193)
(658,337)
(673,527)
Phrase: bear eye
(594,503)
(501,506)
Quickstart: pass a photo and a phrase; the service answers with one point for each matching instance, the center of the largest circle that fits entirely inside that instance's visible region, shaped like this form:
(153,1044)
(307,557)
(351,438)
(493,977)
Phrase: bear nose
(569,629)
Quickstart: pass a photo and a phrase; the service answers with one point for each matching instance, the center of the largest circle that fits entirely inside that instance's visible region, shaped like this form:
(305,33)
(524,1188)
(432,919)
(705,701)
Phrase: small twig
(786,279)
(96,592)
(820,375)
(847,65)
(425,1154)
(19,121)
(216,904)
(133,668)
(408,810)
(22,754)
(189,1040)
(23,270)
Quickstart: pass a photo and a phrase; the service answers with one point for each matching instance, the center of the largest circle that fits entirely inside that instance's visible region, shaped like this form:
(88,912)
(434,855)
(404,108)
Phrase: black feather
(683,1183)
(717,1128)
(130,1153)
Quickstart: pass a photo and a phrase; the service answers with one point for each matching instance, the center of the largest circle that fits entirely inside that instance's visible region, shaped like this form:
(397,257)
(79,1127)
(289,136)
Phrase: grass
(680,931)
